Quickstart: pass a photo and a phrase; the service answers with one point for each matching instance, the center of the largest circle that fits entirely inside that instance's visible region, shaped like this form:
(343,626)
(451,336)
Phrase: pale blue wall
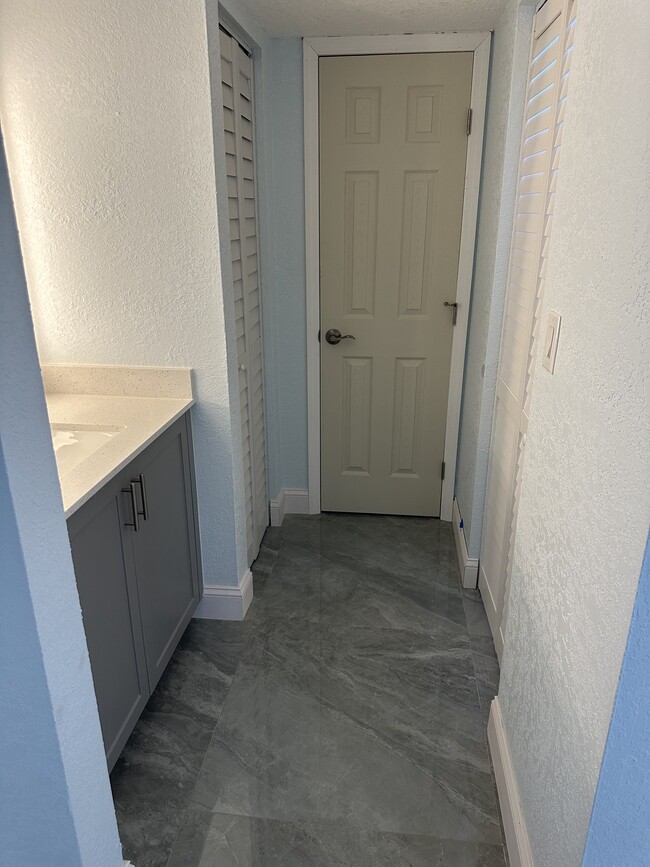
(285,309)
(619,832)
(32,792)
(56,801)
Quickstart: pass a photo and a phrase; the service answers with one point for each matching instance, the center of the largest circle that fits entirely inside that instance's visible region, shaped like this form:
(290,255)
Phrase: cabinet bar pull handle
(134,505)
(145,504)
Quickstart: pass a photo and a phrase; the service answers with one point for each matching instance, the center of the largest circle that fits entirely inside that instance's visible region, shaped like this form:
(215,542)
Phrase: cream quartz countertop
(126,408)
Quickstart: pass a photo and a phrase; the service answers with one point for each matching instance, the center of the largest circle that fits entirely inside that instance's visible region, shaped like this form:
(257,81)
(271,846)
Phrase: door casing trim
(479,43)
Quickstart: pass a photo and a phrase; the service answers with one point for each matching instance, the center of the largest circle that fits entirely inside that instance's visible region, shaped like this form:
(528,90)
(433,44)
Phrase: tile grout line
(214,729)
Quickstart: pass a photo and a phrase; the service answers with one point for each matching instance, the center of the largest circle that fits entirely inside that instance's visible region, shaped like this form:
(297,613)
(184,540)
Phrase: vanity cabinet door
(165,545)
(103,561)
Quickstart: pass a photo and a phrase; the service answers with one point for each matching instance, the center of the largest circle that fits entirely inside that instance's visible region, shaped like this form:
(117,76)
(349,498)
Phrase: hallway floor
(343,724)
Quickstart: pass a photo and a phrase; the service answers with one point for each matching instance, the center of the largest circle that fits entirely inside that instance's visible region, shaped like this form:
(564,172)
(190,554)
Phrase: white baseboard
(276,509)
(514,823)
(220,602)
(296,501)
(290,501)
(468,565)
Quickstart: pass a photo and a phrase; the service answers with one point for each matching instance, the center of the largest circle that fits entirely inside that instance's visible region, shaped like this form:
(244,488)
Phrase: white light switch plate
(551,340)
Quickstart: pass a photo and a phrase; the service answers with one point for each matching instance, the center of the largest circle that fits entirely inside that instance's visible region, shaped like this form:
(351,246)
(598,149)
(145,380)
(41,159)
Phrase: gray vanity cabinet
(165,547)
(105,570)
(135,553)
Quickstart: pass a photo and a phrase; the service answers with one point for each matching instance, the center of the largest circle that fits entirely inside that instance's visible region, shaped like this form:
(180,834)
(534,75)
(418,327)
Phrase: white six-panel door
(393,144)
(237,87)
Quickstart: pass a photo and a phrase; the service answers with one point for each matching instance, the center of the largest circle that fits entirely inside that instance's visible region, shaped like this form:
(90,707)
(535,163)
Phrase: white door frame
(479,43)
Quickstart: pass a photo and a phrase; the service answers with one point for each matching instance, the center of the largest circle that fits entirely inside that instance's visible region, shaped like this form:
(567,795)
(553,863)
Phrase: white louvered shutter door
(537,182)
(237,85)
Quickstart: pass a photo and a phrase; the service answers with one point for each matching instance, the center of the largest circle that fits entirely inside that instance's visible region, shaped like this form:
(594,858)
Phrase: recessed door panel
(407,416)
(416,254)
(356,430)
(360,242)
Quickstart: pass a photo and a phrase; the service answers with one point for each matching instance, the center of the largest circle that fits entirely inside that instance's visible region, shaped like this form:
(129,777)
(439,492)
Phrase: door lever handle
(454,306)
(334,336)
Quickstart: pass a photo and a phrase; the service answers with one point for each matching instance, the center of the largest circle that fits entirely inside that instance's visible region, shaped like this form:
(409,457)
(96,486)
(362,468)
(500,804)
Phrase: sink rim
(76,449)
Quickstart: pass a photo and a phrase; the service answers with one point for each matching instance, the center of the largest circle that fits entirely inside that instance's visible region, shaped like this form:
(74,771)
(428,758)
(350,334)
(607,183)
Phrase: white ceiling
(372,17)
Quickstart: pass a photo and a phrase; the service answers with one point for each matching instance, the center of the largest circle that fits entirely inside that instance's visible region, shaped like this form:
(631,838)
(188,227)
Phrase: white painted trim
(325,46)
(276,510)
(514,823)
(296,501)
(479,43)
(312,257)
(491,614)
(221,602)
(290,501)
(468,566)
(465,268)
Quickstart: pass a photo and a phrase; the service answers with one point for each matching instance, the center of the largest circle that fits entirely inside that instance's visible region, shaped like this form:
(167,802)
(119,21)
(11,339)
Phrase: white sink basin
(74,443)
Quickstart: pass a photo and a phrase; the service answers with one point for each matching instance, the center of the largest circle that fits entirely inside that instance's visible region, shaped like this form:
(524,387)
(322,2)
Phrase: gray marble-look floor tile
(416,694)
(381,599)
(402,546)
(345,717)
(201,670)
(486,668)
(152,783)
(265,561)
(154,777)
(339,586)
(379,725)
(221,840)
(266,558)
(273,537)
(477,622)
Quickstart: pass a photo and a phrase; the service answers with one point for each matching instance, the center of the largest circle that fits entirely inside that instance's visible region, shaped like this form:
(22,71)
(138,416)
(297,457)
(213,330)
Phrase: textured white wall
(585,501)
(282,18)
(510,50)
(106,113)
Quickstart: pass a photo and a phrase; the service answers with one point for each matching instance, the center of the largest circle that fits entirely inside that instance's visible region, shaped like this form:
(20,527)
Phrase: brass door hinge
(468,129)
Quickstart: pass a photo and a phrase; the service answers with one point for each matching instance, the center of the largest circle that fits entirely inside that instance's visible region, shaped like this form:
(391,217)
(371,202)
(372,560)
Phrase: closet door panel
(548,78)
(237,85)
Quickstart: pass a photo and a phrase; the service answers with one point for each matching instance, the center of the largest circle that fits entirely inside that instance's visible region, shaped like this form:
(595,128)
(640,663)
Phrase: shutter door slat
(546,78)
(540,121)
(228,97)
(237,70)
(547,88)
(230,143)
(536,144)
